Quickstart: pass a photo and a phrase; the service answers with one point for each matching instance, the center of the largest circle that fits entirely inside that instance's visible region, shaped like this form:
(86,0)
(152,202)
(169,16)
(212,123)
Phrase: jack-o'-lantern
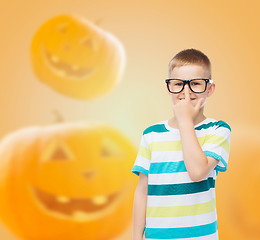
(237,191)
(67,181)
(76,57)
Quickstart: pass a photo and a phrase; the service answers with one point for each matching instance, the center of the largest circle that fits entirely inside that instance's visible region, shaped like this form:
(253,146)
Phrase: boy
(179,159)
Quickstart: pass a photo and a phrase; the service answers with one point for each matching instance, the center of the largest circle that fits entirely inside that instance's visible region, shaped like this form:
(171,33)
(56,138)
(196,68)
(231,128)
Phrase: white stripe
(168,136)
(143,162)
(178,177)
(149,137)
(180,200)
(185,221)
(223,132)
(167,156)
(144,142)
(216,149)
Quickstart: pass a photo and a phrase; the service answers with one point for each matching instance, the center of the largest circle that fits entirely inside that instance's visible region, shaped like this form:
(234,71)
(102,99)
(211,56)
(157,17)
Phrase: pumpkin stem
(59,117)
(97,22)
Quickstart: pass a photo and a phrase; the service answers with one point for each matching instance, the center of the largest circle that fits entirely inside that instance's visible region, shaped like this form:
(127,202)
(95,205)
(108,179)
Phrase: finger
(187,94)
(199,103)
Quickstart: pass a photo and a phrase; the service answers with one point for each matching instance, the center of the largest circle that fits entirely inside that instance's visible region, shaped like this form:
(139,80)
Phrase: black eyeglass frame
(188,82)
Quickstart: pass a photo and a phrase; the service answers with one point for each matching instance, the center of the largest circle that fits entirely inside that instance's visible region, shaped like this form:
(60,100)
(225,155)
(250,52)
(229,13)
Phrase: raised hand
(184,109)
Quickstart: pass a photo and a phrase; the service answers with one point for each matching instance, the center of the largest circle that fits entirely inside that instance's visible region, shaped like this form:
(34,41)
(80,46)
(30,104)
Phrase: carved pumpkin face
(77,58)
(237,191)
(72,180)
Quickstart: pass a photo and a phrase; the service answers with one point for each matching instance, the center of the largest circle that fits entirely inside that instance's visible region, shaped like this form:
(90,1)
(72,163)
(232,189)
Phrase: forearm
(194,158)
(139,214)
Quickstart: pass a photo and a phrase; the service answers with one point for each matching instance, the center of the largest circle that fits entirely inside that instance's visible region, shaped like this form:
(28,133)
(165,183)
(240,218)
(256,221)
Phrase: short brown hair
(189,56)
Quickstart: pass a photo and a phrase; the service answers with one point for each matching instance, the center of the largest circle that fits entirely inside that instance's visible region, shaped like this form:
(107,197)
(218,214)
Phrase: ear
(211,89)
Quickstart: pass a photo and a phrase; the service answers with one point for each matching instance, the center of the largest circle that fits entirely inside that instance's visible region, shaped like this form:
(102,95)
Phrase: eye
(59,154)
(62,28)
(177,84)
(66,46)
(110,148)
(197,82)
(88,42)
(56,151)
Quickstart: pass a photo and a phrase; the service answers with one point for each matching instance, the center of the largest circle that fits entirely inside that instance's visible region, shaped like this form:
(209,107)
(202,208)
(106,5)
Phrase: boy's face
(188,72)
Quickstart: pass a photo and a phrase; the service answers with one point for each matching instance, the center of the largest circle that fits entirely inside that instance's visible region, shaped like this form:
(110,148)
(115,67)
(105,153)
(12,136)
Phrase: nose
(186,86)
(89,174)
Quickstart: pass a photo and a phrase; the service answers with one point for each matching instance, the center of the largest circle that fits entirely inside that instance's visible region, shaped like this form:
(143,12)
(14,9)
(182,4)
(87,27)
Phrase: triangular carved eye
(59,154)
(89,42)
(56,151)
(62,28)
(110,148)
(106,152)
(89,174)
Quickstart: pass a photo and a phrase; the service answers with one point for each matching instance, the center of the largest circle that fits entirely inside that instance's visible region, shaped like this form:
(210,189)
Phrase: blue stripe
(180,188)
(167,167)
(182,232)
(136,169)
(214,155)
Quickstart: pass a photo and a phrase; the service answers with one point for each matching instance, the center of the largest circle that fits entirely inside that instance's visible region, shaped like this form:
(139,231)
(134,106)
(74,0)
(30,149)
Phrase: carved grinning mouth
(78,209)
(64,69)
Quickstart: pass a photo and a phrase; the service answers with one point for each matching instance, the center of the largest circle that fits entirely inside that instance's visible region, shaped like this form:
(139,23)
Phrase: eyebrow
(189,79)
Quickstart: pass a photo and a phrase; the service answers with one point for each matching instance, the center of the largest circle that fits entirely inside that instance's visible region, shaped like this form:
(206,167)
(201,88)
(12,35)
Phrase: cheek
(204,97)
(203,104)
(174,99)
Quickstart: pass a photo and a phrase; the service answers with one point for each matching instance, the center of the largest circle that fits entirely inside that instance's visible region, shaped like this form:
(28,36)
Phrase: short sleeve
(143,159)
(217,145)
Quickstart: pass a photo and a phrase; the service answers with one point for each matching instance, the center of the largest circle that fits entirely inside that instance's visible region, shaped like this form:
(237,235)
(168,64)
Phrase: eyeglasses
(196,85)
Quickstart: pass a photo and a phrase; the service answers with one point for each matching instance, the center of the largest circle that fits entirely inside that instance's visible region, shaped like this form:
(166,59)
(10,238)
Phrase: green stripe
(221,123)
(180,211)
(159,128)
(180,188)
(156,128)
(205,125)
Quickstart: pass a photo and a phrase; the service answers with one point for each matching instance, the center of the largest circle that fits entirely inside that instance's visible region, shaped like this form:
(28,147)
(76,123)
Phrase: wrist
(186,123)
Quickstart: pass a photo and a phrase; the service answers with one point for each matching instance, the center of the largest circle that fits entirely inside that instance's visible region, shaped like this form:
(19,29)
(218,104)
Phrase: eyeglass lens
(196,85)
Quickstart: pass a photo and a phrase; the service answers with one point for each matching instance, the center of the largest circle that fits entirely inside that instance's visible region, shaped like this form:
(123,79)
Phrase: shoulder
(222,124)
(218,124)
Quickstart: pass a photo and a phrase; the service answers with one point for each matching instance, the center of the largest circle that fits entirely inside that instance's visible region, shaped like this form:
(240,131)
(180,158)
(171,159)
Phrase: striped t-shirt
(177,207)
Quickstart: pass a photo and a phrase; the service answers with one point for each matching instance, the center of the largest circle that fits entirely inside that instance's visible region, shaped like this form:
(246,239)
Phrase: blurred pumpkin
(77,58)
(237,191)
(66,181)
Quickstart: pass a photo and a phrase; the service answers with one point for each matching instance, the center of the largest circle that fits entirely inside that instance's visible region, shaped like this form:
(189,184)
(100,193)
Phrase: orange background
(152,32)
